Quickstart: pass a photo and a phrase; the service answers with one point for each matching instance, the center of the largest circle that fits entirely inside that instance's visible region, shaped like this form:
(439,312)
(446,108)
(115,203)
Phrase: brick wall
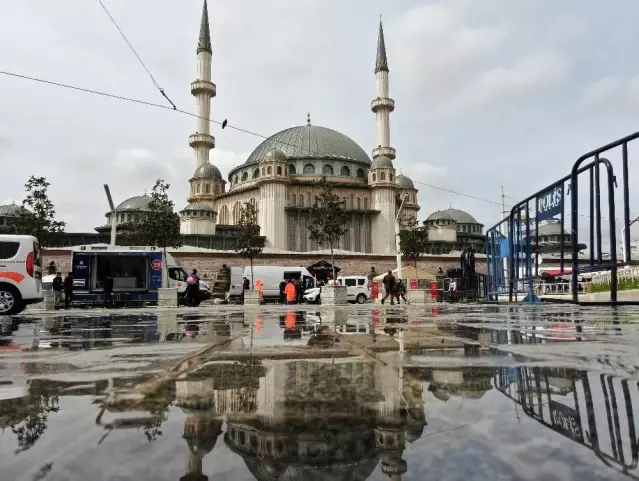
(208,264)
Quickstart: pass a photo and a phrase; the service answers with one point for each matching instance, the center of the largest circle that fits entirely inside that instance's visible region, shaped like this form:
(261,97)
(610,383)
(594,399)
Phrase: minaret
(203,90)
(381,175)
(382,105)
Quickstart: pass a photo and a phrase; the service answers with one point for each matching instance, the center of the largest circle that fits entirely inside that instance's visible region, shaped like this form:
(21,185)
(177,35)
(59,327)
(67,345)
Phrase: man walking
(389,286)
(68,290)
(58,288)
(400,291)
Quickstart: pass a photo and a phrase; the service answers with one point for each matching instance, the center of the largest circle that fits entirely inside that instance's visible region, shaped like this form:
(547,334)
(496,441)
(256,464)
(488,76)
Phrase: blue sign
(550,203)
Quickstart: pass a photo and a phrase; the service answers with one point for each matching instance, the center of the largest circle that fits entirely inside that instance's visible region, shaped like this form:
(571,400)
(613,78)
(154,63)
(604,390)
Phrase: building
(453,230)
(280,177)
(7,212)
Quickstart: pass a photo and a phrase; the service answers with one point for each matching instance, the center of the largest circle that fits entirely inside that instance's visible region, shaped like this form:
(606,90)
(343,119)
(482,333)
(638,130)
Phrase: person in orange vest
(259,287)
(291,292)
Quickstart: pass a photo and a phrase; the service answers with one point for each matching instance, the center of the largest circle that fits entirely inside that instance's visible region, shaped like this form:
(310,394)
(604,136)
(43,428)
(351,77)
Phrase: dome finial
(450,205)
(308,118)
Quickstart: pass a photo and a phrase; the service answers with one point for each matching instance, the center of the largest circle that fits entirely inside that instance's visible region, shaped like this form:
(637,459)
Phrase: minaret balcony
(203,86)
(383,104)
(198,139)
(386,151)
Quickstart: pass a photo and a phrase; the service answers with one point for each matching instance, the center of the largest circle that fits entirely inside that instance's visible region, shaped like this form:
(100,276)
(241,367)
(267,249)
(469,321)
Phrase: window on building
(256,173)
(391,177)
(279,170)
(365,203)
(382,176)
(374,178)
(244,176)
(359,203)
(360,173)
(294,200)
(269,170)
(208,188)
(327,170)
(309,169)
(346,172)
(197,189)
(217,189)
(291,169)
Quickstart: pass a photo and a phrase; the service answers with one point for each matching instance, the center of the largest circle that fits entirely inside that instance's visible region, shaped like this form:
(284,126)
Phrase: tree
(160,226)
(329,221)
(37,216)
(249,242)
(413,238)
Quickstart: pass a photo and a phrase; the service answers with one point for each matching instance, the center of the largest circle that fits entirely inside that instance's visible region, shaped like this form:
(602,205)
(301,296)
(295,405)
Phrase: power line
(136,54)
(230,126)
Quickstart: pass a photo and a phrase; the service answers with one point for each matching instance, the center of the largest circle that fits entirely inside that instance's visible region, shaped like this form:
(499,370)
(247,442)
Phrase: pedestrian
(108,291)
(282,293)
(298,291)
(58,288)
(68,290)
(389,286)
(400,291)
(291,292)
(259,287)
(192,289)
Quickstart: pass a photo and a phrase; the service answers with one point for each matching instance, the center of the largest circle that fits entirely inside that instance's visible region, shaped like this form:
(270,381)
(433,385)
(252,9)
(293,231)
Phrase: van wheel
(10,300)
(361,299)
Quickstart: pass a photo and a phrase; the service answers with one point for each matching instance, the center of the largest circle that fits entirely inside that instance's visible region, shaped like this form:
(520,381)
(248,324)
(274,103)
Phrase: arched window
(245,176)
(236,213)
(391,177)
(301,200)
(197,189)
(382,176)
(374,178)
(256,173)
(309,169)
(262,170)
(359,203)
(327,170)
(279,170)
(365,203)
(360,173)
(294,200)
(269,170)
(291,169)
(217,189)
(208,188)
(224,215)
(351,202)
(346,172)
(235,180)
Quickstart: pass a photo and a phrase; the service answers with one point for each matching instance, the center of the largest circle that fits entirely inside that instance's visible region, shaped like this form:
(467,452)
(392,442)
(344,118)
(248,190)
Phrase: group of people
(291,291)
(395,288)
(62,290)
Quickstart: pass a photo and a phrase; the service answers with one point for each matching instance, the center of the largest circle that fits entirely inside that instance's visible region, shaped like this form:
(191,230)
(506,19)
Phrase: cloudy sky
(488,93)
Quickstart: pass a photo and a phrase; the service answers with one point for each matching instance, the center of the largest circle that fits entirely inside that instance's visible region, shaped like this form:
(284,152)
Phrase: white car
(356,290)
(20,273)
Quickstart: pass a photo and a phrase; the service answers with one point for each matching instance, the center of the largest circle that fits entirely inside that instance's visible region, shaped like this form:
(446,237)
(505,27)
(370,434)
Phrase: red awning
(557,272)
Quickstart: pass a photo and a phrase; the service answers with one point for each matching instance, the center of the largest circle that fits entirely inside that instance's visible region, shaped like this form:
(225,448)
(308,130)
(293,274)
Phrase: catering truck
(137,274)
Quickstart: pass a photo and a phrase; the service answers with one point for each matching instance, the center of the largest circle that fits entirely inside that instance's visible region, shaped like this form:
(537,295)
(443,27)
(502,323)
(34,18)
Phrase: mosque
(280,177)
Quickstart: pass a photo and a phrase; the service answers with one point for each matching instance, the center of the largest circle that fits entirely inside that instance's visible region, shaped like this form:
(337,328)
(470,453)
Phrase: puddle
(355,393)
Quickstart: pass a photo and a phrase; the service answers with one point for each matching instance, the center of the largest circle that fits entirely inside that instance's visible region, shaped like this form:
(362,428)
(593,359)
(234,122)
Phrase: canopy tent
(410,272)
(323,270)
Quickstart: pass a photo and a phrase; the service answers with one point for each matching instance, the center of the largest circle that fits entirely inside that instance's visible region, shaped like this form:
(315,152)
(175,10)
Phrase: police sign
(550,203)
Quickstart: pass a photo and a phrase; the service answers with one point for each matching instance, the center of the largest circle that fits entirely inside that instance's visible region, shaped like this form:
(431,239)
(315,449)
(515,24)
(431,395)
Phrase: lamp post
(397,245)
(113,215)
(626,252)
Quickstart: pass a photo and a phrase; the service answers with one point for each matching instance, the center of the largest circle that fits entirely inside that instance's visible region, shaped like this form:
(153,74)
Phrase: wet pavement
(308,393)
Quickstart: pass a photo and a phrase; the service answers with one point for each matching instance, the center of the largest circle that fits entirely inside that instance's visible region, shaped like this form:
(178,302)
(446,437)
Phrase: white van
(357,289)
(271,276)
(20,273)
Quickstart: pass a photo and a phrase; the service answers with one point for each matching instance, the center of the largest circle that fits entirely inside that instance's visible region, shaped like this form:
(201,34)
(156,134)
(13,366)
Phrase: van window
(177,274)
(361,282)
(8,250)
(350,282)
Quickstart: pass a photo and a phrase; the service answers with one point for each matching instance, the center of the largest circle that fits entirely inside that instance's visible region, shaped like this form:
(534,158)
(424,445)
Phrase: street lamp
(113,216)
(626,252)
(397,245)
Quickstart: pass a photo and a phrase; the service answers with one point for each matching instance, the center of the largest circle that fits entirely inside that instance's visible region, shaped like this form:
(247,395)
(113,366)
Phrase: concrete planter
(334,296)
(168,297)
(48,304)
(252,298)
(420,296)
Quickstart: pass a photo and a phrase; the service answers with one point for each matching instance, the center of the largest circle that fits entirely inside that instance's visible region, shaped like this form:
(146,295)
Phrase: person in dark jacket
(68,290)
(58,290)
(389,287)
(400,291)
(191,296)
(282,293)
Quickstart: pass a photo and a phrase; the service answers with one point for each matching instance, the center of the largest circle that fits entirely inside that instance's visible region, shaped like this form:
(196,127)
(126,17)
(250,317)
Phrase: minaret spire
(381,63)
(204,42)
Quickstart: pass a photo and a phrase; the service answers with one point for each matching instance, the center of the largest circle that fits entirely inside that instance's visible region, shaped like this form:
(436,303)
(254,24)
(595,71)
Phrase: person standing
(291,292)
(282,291)
(58,288)
(400,291)
(68,290)
(389,286)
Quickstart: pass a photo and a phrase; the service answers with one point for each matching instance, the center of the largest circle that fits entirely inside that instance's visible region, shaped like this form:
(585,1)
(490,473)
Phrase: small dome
(552,228)
(382,162)
(10,210)
(197,207)
(140,202)
(207,171)
(275,155)
(404,182)
(457,215)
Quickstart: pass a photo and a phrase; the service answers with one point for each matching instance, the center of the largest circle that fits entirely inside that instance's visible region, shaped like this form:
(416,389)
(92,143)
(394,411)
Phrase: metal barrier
(513,249)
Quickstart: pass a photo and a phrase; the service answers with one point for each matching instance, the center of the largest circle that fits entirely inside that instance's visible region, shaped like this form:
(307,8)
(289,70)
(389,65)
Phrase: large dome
(140,202)
(459,216)
(311,141)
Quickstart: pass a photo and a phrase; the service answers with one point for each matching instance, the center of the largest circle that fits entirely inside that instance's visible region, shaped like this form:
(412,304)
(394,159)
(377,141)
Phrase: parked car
(356,290)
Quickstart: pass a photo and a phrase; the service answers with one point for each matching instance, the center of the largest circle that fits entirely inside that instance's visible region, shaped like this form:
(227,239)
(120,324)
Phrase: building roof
(382,162)
(207,171)
(10,210)
(404,182)
(459,216)
(197,207)
(311,141)
(140,202)
(275,155)
(551,228)
(381,62)
(204,42)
